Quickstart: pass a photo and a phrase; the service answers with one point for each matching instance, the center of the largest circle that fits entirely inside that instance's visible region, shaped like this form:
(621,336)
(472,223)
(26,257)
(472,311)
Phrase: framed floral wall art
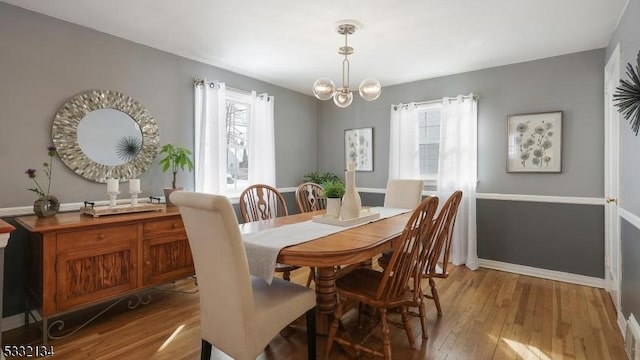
(534,142)
(358,148)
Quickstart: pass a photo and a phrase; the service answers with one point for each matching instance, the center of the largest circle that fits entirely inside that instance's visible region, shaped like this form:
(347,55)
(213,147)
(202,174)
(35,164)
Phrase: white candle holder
(134,197)
(112,197)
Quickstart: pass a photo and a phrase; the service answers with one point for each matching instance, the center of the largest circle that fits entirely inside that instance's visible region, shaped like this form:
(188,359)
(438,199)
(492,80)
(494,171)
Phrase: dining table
(354,245)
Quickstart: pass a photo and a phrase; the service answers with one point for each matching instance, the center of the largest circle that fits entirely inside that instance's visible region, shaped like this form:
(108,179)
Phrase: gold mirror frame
(65,135)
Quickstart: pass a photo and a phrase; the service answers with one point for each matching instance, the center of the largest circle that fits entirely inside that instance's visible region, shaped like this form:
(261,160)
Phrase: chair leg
(333,329)
(407,327)
(386,342)
(286,275)
(312,276)
(205,353)
(423,320)
(311,333)
(434,294)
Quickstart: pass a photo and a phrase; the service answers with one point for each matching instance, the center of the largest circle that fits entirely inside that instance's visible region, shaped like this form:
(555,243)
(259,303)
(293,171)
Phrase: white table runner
(263,247)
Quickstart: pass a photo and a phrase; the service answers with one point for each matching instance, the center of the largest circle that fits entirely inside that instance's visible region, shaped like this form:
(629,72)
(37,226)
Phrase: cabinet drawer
(171,228)
(85,239)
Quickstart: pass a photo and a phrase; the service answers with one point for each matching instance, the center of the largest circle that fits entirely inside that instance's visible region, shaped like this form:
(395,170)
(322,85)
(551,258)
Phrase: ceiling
(291,43)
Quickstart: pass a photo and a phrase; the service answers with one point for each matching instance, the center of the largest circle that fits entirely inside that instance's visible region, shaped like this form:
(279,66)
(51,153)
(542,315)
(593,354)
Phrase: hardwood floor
(487,315)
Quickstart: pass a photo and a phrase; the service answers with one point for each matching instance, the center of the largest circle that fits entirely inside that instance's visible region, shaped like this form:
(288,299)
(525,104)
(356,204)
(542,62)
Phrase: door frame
(613,268)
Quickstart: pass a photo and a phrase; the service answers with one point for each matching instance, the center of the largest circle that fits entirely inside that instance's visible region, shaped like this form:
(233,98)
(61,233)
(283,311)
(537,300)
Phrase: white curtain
(262,153)
(210,137)
(458,170)
(404,151)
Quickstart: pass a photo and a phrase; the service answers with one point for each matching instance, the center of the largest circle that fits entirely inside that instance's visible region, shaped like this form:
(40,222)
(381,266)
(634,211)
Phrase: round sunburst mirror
(102,134)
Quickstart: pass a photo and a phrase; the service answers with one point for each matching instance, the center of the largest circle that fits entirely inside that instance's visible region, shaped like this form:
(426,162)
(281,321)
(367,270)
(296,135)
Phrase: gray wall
(571,83)
(45,61)
(627,35)
(561,237)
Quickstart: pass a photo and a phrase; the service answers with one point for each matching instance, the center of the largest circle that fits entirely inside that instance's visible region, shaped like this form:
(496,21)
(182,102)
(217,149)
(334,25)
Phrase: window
(238,108)
(234,139)
(429,140)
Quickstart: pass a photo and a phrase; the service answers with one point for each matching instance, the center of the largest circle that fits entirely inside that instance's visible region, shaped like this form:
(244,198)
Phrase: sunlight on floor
(170,338)
(526,351)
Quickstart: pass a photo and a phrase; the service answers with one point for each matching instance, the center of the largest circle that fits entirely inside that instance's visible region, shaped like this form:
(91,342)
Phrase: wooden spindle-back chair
(438,259)
(310,197)
(264,202)
(389,289)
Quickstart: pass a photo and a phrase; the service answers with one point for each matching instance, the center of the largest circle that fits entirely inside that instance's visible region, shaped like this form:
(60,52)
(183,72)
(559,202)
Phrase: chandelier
(324,89)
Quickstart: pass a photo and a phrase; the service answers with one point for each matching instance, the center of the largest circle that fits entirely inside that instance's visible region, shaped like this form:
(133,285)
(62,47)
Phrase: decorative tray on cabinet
(365,216)
(97,211)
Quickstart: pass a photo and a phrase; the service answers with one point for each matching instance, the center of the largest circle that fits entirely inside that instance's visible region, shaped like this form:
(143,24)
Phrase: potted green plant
(318,178)
(176,158)
(333,190)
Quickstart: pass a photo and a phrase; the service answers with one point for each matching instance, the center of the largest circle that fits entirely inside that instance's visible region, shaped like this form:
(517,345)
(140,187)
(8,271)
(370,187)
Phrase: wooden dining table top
(350,246)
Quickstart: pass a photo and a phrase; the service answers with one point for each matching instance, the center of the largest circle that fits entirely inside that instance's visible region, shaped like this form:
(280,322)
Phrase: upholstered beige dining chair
(264,202)
(389,289)
(403,193)
(239,313)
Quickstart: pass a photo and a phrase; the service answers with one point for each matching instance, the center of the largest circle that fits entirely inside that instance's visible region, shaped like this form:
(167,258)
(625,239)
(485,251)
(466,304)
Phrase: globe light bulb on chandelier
(325,89)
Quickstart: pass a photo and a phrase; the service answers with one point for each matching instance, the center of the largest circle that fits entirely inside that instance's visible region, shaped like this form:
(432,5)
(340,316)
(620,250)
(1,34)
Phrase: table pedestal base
(326,298)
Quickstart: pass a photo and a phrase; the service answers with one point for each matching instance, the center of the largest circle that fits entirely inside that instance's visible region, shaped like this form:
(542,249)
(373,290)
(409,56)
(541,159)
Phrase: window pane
(429,159)
(429,141)
(237,146)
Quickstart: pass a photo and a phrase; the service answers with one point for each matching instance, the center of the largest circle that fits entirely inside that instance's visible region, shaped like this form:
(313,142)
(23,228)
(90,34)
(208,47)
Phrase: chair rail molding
(28,210)
(632,218)
(542,198)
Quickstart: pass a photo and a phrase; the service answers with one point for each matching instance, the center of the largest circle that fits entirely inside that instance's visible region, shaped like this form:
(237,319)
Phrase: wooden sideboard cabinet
(75,260)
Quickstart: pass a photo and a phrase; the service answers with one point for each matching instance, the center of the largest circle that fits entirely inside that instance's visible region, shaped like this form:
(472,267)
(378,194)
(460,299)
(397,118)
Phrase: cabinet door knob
(174,225)
(148,262)
(101,236)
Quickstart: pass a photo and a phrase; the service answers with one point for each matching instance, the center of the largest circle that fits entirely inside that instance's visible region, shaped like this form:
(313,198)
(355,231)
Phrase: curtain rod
(197,82)
(473,96)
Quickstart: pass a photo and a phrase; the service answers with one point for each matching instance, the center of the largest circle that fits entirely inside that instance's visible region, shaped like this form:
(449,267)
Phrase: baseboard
(16,321)
(622,324)
(543,273)
(633,323)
